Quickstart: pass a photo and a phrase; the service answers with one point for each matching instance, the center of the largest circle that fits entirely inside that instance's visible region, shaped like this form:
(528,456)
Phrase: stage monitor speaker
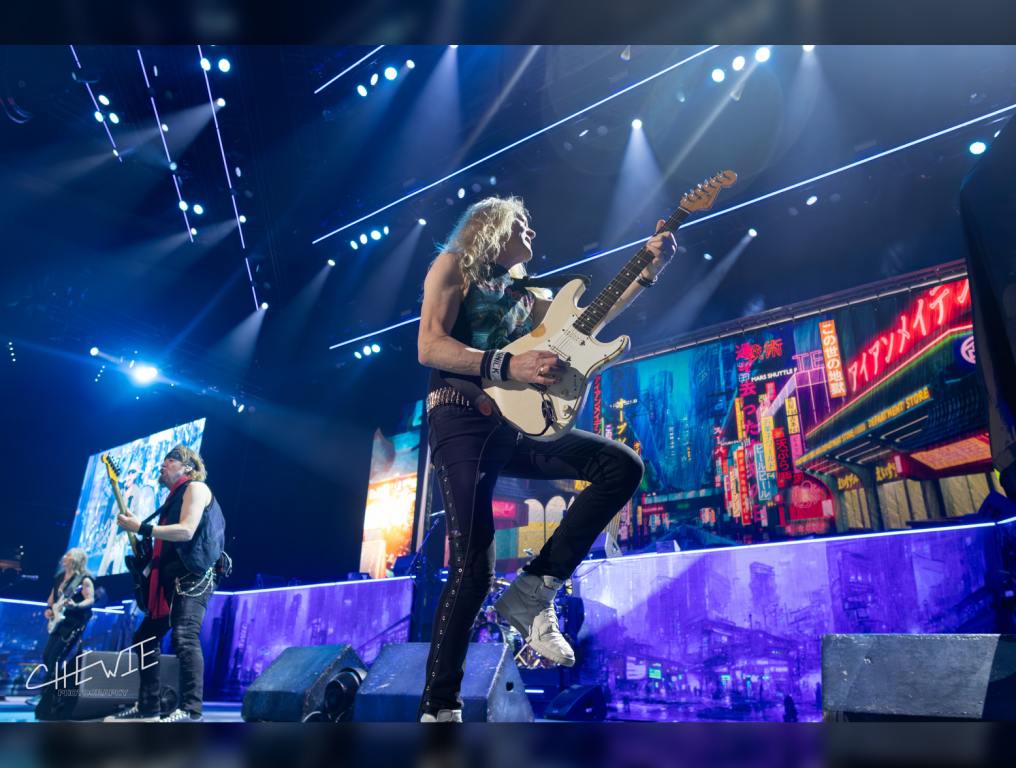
(315,682)
(107,681)
(579,702)
(919,677)
(492,690)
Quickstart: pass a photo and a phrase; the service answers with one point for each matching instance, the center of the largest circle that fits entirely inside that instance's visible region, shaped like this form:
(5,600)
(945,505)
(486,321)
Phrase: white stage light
(99,117)
(752,232)
(762,55)
(206,65)
(103,100)
(375,235)
(93,351)
(422,222)
(264,305)
(978,147)
(718,75)
(386,230)
(737,64)
(375,347)
(363,239)
(391,73)
(114,118)
(331,262)
(367,351)
(243,219)
(811,200)
(199,209)
(707,256)
(183,205)
(224,65)
(461,193)
(357,355)
(373,79)
(807,48)
(144,374)
(353,244)
(220,102)
(361,90)
(636,124)
(410,63)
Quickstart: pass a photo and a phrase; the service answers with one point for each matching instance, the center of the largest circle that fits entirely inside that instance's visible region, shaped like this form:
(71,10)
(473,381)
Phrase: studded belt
(446,396)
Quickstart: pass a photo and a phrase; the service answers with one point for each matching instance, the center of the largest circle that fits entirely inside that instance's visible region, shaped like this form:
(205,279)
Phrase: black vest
(203,550)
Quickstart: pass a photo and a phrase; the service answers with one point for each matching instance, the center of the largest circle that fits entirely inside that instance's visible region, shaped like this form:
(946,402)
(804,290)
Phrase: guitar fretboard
(600,307)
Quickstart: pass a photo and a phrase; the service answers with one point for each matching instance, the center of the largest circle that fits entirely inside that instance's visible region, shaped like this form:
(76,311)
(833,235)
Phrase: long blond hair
(78,558)
(480,235)
(193,459)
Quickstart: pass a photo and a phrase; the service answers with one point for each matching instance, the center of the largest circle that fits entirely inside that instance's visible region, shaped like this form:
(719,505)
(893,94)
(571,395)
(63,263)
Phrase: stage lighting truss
(516,143)
(350,68)
(99,115)
(181,203)
(225,167)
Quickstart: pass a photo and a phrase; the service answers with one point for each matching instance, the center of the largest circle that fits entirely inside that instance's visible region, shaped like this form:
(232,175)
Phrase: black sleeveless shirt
(205,546)
(493,313)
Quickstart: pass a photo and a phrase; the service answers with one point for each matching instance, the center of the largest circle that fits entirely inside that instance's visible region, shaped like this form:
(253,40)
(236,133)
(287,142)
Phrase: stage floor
(15,710)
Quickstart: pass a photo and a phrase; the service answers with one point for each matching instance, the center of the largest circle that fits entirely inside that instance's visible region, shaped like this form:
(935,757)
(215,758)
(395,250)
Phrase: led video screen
(94,528)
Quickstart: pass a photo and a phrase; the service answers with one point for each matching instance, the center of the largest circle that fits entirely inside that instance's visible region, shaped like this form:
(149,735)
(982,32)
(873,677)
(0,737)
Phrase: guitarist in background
(75,588)
(473,305)
(187,545)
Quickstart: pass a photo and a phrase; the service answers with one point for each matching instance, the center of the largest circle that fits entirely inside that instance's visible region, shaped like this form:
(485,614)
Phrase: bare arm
(442,297)
(195,499)
(662,246)
(88,593)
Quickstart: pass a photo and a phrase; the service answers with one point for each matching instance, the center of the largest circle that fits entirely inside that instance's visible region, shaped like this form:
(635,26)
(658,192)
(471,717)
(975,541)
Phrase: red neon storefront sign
(932,312)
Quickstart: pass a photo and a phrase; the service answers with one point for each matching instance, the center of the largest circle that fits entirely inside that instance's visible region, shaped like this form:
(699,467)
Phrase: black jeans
(185,619)
(458,437)
(61,641)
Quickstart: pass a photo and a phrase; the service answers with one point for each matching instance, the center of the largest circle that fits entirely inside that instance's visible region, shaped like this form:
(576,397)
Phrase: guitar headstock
(701,198)
(111,468)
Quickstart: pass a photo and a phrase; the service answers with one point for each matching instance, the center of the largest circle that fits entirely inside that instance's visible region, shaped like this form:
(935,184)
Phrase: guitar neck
(123,510)
(601,306)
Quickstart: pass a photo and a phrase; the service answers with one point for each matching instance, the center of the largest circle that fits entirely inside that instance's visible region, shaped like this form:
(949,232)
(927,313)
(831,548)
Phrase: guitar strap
(470,389)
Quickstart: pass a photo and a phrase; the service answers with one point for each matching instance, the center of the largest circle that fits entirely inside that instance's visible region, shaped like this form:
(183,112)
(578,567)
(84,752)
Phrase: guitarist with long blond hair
(69,609)
(475,302)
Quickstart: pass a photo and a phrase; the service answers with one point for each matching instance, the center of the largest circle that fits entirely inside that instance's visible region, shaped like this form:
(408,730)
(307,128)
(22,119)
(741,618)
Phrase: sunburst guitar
(569,331)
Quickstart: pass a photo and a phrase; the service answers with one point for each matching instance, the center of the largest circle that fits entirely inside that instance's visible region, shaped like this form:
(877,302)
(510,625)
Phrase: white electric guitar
(548,412)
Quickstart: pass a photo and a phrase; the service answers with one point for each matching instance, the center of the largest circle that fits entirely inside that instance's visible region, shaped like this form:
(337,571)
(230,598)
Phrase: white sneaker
(131,715)
(528,605)
(181,716)
(443,716)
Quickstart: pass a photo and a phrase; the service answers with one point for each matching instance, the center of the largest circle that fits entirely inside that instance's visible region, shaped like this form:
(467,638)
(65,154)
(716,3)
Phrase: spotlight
(453,47)
(410,63)
(165,128)
(172,166)
(264,305)
(194,231)
(331,262)
(719,75)
(363,239)
(353,244)
(116,153)
(103,100)
(183,205)
(240,408)
(238,172)
(391,73)
(93,351)
(707,256)
(98,116)
(385,230)
(422,222)
(220,102)
(114,118)
(373,79)
(583,132)
(243,219)
(361,90)
(206,65)
(367,351)
(375,235)
(807,48)
(737,64)
(199,209)
(978,147)
(636,124)
(752,232)
(493,180)
(461,193)
(811,200)
(375,347)
(224,65)
(357,355)
(144,374)
(762,55)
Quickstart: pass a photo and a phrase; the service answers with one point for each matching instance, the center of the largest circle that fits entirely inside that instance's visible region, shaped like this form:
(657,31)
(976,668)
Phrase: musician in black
(473,305)
(187,543)
(73,594)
